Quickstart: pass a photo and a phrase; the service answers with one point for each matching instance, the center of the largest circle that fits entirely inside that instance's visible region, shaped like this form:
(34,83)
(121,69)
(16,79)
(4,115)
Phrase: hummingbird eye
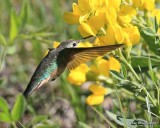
(74,44)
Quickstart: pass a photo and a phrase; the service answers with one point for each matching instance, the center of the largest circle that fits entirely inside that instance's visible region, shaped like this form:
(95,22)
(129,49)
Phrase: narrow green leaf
(13,26)
(3,40)
(22,18)
(151,72)
(4,117)
(3,105)
(18,108)
(116,75)
(114,117)
(156,25)
(150,39)
(131,123)
(142,61)
(149,32)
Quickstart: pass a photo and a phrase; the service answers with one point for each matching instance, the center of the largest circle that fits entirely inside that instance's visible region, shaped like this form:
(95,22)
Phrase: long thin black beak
(87,37)
(83,39)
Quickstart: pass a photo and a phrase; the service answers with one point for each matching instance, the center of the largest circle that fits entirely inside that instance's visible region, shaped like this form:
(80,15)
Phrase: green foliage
(16,112)
(18,108)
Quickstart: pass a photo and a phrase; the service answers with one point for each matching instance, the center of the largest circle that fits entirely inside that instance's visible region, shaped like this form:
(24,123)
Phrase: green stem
(157,93)
(123,60)
(14,125)
(132,94)
(121,108)
(102,116)
(2,57)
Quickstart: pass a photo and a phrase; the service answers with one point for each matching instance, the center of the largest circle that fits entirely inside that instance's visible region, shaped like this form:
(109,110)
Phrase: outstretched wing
(77,56)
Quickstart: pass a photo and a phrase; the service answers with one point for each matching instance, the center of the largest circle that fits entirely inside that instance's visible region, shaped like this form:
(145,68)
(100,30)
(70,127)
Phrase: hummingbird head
(71,43)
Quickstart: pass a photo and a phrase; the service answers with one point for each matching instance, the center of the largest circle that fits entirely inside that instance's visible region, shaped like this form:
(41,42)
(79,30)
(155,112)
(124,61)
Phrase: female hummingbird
(66,55)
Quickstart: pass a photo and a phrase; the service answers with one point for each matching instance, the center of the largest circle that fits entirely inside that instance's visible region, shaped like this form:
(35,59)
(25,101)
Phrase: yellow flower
(97,89)
(84,44)
(115,4)
(125,15)
(90,26)
(114,64)
(103,66)
(156,12)
(95,99)
(55,44)
(138,3)
(111,15)
(132,35)
(78,75)
(100,67)
(144,4)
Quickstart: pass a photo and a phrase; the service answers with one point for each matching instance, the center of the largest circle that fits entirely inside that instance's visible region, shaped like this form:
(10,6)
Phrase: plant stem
(102,116)
(123,60)
(120,104)
(14,125)
(2,57)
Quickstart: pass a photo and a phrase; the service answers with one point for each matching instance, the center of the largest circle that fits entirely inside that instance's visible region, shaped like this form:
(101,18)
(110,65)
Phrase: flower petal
(95,99)
(71,18)
(97,89)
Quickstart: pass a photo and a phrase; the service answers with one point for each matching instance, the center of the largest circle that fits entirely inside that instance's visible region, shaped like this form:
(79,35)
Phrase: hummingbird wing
(78,56)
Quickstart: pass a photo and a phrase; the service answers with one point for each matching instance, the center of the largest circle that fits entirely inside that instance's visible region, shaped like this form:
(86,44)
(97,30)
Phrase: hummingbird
(65,56)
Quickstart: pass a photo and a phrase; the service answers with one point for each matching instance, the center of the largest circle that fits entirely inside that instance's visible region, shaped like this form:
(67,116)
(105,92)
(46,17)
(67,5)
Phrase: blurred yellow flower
(102,66)
(55,44)
(125,15)
(156,12)
(95,99)
(84,44)
(132,35)
(97,89)
(144,4)
(78,75)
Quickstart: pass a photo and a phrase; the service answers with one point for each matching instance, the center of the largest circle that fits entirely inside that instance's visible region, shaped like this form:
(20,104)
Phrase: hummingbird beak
(84,38)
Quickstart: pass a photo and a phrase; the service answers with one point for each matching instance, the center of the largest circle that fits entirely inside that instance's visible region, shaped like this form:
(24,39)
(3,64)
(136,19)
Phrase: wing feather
(78,56)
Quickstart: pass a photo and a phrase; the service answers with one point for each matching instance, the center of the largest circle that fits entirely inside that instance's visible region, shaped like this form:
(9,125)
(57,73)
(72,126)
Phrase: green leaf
(13,26)
(156,25)
(131,123)
(151,39)
(38,119)
(3,40)
(151,72)
(4,117)
(142,61)
(22,18)
(116,75)
(18,108)
(3,105)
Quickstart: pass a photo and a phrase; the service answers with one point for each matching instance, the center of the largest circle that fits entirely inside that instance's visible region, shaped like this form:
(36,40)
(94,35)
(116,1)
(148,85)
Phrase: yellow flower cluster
(102,66)
(109,20)
(78,75)
(97,96)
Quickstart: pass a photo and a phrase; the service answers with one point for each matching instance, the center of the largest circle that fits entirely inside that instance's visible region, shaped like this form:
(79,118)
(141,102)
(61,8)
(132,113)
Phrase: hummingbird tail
(28,90)
(25,93)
